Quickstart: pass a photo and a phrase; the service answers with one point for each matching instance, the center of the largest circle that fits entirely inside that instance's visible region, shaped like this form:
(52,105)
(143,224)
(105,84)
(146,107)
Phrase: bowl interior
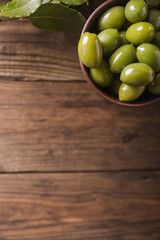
(91,26)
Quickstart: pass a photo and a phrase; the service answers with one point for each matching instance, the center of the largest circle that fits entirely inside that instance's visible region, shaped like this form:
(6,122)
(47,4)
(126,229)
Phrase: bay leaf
(2,5)
(20,8)
(46,1)
(57,17)
(55,1)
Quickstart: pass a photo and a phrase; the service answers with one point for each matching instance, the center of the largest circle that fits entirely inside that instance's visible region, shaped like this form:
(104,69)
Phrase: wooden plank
(80,206)
(50,126)
(29,54)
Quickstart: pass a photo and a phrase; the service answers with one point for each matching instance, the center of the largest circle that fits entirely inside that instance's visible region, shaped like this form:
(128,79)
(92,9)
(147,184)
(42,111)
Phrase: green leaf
(20,8)
(46,1)
(2,5)
(55,1)
(73,2)
(57,17)
(153,3)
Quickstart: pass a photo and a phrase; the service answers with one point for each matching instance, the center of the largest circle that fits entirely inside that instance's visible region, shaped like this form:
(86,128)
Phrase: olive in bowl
(117,51)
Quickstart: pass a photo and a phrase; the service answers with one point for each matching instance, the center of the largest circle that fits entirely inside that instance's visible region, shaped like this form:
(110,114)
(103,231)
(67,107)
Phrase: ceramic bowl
(90,26)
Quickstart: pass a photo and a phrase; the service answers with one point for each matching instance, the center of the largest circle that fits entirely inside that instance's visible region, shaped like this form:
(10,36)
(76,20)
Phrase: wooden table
(72,165)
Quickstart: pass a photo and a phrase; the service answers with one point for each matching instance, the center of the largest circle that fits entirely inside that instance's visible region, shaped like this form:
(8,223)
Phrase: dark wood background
(72,165)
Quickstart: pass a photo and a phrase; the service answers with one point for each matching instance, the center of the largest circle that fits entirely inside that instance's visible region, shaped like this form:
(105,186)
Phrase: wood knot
(129,137)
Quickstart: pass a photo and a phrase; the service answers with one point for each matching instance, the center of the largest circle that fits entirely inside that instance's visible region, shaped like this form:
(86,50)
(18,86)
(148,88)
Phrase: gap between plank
(44,81)
(92,171)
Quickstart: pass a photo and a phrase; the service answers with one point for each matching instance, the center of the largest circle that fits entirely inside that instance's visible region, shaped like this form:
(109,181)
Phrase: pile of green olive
(124,56)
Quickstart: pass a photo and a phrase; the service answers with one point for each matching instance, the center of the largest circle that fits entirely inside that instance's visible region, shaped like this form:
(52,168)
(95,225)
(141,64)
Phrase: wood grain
(53,126)
(80,206)
(89,168)
(29,54)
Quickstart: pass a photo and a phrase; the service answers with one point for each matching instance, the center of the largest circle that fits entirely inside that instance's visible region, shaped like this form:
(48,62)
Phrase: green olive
(101,75)
(114,87)
(156,39)
(154,87)
(154,18)
(112,18)
(123,39)
(110,40)
(137,74)
(140,32)
(149,54)
(130,93)
(90,50)
(123,56)
(136,10)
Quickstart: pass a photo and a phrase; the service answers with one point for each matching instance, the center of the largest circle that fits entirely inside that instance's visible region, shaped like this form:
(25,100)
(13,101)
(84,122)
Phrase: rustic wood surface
(72,165)
(80,206)
(59,126)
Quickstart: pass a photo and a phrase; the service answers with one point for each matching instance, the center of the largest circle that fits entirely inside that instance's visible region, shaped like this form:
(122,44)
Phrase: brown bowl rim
(86,75)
